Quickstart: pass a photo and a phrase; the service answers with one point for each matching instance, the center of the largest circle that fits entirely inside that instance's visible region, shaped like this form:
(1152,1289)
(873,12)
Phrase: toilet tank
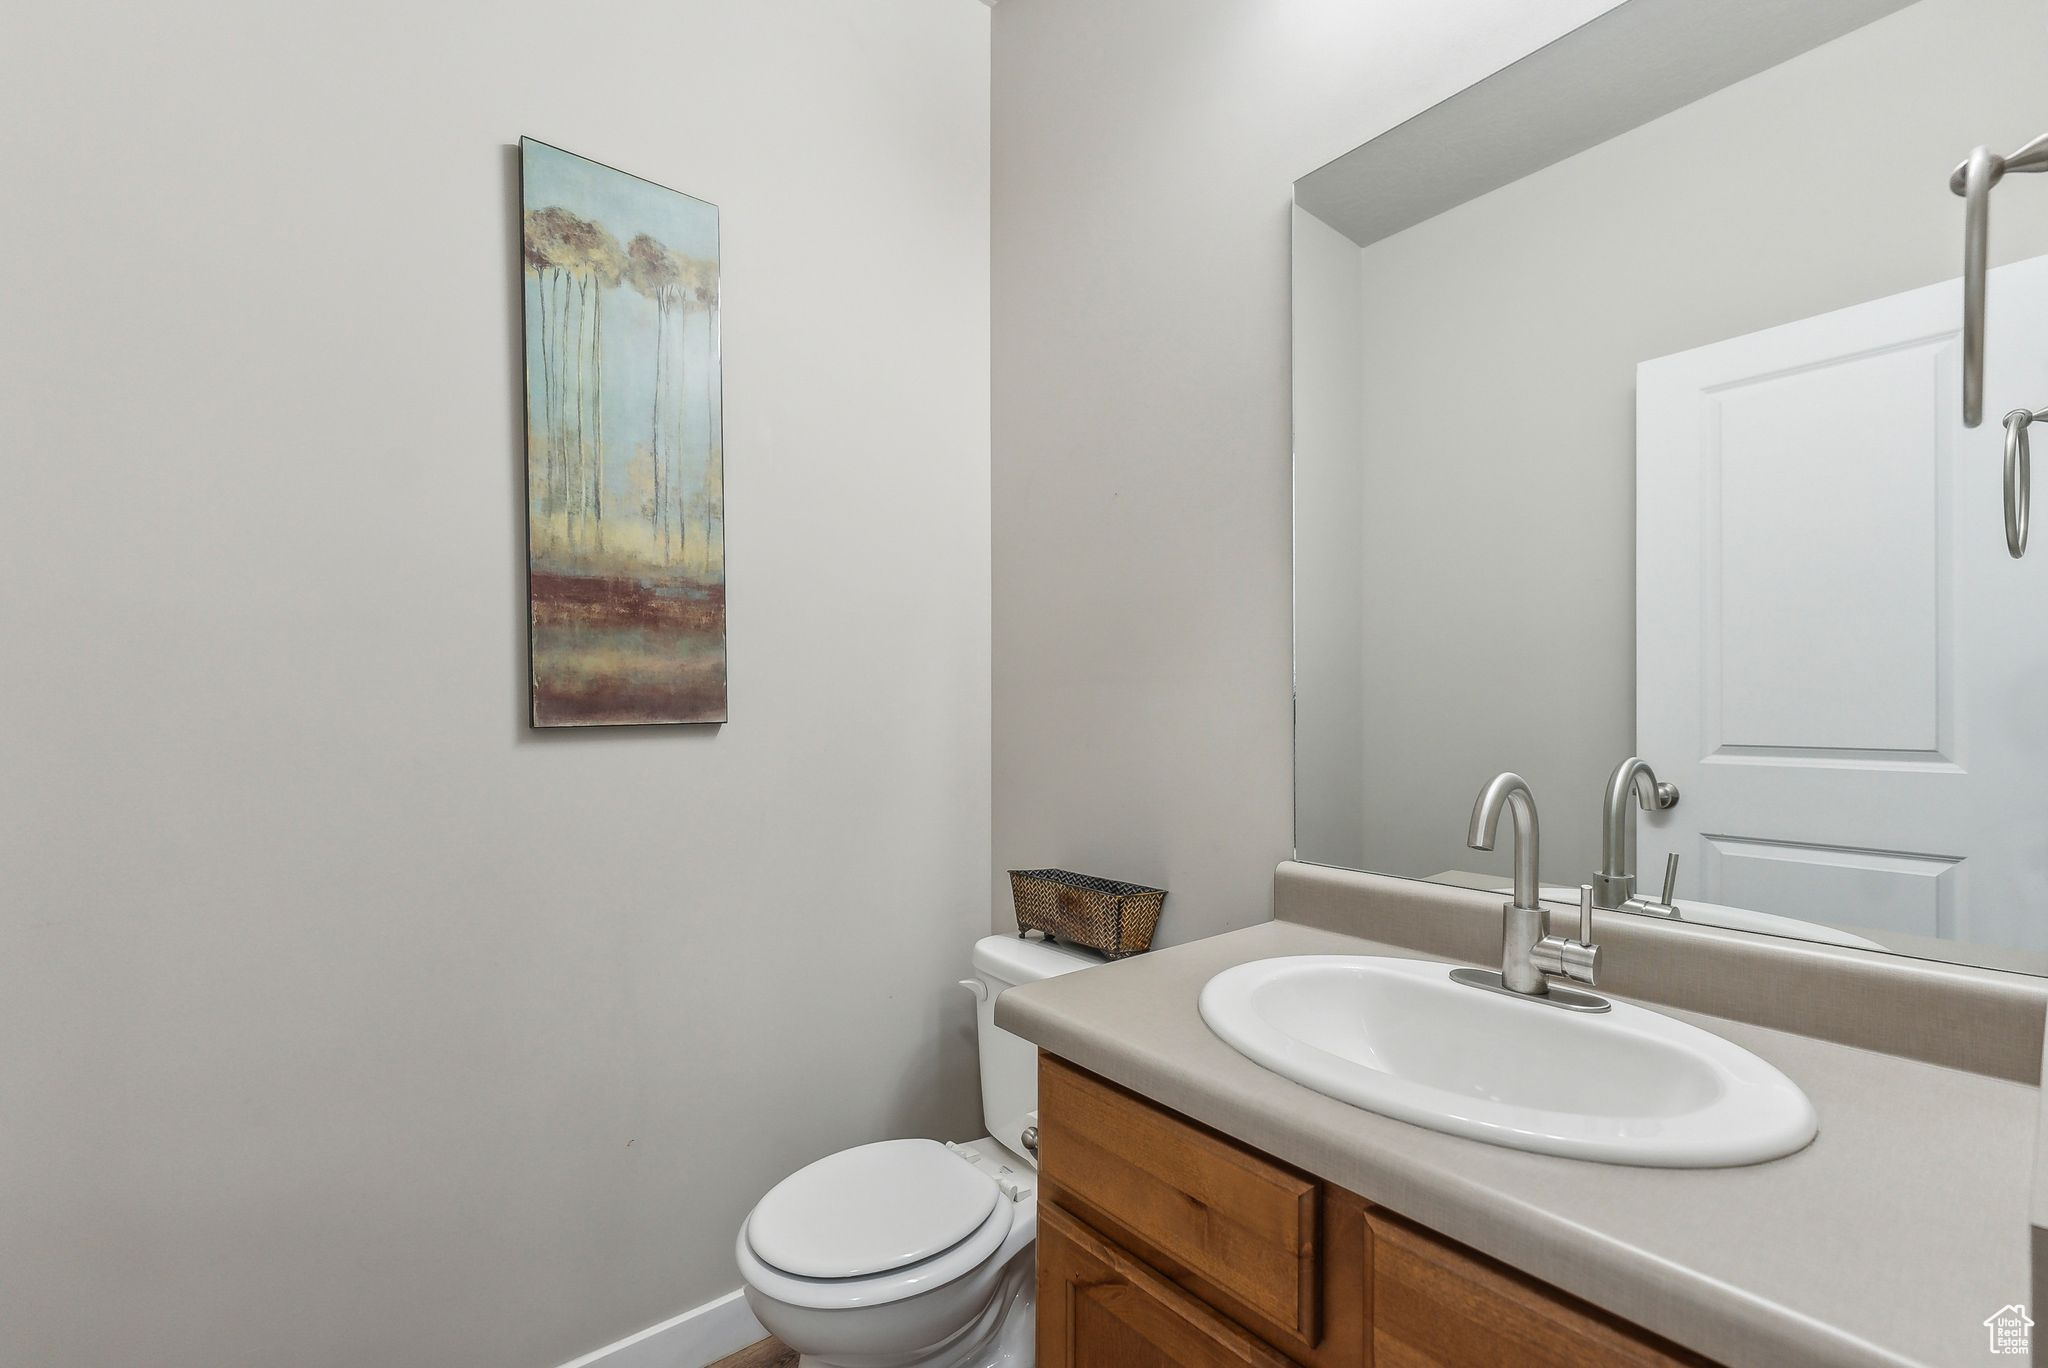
(1009,1063)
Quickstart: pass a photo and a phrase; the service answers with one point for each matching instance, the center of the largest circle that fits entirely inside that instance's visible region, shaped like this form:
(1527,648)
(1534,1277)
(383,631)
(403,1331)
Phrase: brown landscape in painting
(625,477)
(624,650)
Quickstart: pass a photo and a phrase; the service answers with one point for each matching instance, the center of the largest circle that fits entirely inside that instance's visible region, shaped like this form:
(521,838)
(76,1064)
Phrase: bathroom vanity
(1646,458)
(1197,1208)
(1640,462)
(1163,1242)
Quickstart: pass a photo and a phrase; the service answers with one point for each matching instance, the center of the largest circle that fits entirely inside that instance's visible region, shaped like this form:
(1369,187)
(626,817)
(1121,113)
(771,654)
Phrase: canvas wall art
(624,462)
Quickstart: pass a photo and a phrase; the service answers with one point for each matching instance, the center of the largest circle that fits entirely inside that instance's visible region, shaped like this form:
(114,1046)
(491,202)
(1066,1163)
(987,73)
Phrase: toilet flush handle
(976,987)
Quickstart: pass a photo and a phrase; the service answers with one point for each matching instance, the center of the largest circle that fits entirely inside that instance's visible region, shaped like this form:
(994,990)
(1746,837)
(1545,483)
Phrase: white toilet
(912,1253)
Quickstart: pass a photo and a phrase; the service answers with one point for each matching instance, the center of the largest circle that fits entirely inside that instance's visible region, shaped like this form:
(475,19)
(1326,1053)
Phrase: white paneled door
(1836,660)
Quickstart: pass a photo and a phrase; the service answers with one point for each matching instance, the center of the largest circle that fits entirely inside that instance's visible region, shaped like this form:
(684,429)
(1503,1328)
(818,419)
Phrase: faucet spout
(1510,791)
(1616,883)
(1527,955)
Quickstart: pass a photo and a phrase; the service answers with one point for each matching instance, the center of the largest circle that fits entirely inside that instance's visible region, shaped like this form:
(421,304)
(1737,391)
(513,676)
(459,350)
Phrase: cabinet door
(1229,1224)
(1438,1305)
(1100,1308)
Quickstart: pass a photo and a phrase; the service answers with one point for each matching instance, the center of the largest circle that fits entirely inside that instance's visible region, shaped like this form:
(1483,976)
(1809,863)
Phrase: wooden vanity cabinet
(1099,1307)
(1162,1243)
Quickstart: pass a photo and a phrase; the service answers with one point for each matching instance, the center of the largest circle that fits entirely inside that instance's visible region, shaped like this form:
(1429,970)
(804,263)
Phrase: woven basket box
(1115,918)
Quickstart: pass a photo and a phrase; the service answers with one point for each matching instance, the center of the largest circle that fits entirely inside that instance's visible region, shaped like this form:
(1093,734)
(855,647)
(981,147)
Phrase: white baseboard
(703,1334)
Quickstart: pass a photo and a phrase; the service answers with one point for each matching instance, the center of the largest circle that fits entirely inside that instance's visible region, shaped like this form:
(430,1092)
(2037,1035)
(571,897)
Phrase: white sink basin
(1397,1036)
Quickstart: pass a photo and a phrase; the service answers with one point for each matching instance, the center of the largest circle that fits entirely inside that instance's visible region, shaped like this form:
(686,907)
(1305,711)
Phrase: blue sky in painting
(627,206)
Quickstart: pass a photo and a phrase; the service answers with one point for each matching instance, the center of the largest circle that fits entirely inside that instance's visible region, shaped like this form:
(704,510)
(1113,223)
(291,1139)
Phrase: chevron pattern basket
(1117,919)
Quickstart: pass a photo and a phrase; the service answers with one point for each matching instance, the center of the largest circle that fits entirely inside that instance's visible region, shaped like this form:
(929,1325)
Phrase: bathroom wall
(1537,301)
(1143,154)
(1328,355)
(343,1019)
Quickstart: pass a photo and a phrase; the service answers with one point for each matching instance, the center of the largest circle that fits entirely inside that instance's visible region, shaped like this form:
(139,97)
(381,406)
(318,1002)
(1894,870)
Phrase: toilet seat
(806,1224)
(834,1294)
(870,1209)
(939,1271)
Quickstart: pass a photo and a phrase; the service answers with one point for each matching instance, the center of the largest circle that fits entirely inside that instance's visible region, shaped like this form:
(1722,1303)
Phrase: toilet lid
(869,1209)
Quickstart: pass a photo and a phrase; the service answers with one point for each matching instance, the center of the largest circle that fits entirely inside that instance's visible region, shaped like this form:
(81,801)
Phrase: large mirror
(1628,423)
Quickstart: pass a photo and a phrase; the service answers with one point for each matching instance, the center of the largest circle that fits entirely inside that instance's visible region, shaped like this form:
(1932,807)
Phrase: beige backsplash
(1984,1020)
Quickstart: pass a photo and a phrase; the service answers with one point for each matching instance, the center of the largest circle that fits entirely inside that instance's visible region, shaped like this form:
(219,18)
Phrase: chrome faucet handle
(1578,960)
(1581,962)
(1664,906)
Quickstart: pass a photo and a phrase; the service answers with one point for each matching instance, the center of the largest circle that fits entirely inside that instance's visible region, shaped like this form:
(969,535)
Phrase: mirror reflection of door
(1834,651)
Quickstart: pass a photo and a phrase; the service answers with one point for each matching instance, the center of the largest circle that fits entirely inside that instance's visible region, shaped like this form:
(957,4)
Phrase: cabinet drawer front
(1240,1226)
(1100,1308)
(1439,1305)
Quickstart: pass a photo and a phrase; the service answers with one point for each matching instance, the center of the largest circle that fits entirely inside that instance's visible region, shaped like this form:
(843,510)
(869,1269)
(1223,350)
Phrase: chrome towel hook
(1973,180)
(2018,477)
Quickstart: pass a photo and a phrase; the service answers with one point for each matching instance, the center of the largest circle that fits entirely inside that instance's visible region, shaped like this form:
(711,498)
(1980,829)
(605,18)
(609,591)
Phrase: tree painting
(625,489)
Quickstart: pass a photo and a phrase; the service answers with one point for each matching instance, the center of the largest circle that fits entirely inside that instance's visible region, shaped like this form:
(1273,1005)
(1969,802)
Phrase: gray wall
(1143,156)
(343,1020)
(1329,557)
(1501,340)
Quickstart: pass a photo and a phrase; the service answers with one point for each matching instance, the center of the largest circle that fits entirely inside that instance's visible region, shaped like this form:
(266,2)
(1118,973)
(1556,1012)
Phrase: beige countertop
(1886,1241)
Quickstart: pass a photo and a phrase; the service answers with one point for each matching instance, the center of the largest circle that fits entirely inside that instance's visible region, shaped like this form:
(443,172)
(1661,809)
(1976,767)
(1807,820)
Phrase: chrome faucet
(1615,885)
(1527,955)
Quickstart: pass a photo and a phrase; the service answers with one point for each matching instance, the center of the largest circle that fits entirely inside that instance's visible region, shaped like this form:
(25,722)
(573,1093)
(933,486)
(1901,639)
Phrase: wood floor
(769,1353)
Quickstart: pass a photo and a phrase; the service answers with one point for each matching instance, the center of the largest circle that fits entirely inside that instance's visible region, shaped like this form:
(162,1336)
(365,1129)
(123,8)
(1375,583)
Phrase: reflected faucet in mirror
(1665,905)
(1614,887)
(1527,954)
